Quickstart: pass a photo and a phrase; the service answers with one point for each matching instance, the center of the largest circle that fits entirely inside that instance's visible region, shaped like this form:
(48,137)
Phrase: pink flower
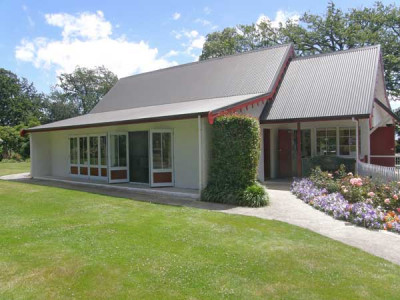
(368,200)
(398,210)
(356,181)
(387,201)
(371,194)
(395,197)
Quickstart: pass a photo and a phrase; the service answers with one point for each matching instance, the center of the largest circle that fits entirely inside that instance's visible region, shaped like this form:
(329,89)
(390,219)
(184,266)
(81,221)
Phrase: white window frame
(336,138)
(88,166)
(170,170)
(110,168)
(355,139)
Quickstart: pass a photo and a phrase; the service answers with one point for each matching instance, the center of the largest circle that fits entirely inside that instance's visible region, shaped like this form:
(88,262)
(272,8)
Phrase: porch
(287,147)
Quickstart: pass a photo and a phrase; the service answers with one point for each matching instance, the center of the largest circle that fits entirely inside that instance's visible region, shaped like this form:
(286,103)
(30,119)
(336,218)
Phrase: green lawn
(14,167)
(57,243)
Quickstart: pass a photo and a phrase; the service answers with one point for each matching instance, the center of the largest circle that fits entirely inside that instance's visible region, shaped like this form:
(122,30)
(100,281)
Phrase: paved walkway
(283,207)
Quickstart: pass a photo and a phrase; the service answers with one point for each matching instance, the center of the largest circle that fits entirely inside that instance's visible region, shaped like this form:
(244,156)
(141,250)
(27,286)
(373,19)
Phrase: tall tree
(333,31)
(78,92)
(19,100)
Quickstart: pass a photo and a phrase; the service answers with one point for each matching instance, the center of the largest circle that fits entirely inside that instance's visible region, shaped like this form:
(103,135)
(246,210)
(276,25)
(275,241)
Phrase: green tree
(333,31)
(19,100)
(78,92)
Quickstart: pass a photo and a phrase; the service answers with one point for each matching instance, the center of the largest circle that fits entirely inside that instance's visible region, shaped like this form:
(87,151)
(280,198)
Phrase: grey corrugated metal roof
(327,85)
(241,74)
(145,113)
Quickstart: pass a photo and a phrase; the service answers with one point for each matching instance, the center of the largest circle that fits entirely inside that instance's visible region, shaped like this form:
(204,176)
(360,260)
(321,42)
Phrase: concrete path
(283,207)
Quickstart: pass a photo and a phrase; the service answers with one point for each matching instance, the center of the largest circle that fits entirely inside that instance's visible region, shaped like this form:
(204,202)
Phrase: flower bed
(355,199)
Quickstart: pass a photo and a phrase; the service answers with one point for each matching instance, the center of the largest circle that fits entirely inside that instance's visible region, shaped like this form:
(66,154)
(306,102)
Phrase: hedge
(234,163)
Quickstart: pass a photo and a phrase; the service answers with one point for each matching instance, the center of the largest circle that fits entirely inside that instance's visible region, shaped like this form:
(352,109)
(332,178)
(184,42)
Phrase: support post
(200,153)
(299,173)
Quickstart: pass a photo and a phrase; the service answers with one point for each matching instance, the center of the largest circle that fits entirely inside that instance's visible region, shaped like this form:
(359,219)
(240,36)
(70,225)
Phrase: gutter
(23,132)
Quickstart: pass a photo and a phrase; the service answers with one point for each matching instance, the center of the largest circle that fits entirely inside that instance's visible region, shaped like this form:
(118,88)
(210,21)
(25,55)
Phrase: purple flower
(336,205)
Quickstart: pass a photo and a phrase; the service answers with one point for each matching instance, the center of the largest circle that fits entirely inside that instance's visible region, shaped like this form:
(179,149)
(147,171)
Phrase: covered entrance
(289,141)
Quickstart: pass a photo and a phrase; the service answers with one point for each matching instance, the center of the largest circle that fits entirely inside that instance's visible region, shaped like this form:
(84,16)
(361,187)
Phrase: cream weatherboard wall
(50,156)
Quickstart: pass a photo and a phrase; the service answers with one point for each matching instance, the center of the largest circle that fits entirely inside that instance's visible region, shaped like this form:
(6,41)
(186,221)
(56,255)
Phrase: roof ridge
(364,48)
(210,60)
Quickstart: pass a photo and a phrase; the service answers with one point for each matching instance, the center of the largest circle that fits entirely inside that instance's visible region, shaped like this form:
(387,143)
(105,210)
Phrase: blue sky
(40,39)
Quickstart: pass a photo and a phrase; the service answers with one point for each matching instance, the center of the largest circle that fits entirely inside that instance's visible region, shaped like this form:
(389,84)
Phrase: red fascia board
(238,107)
(268,97)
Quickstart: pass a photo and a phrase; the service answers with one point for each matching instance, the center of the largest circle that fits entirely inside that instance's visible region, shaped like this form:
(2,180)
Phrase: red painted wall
(383,143)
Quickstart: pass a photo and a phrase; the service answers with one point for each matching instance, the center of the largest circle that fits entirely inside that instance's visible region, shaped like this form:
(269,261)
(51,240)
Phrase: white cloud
(280,18)
(207,10)
(191,34)
(198,43)
(86,40)
(192,42)
(171,53)
(176,16)
(86,25)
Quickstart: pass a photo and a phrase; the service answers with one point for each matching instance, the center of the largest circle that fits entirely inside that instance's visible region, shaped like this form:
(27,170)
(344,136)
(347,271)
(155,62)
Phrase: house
(155,128)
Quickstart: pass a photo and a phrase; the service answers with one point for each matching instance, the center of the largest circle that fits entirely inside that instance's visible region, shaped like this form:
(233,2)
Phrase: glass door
(98,156)
(161,161)
(118,158)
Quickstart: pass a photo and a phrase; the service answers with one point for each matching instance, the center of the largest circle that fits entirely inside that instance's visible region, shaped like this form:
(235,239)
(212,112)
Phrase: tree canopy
(19,100)
(313,34)
(78,92)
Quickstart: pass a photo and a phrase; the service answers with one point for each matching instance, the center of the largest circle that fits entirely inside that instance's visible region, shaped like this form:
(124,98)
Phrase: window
(118,146)
(347,141)
(73,150)
(103,150)
(326,141)
(88,156)
(83,150)
(162,150)
(94,150)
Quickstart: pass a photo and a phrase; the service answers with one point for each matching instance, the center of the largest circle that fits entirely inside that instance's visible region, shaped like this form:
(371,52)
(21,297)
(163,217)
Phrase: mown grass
(58,243)
(7,168)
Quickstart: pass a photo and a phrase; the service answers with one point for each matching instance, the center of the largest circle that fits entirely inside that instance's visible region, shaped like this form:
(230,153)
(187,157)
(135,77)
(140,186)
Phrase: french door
(98,156)
(118,158)
(161,157)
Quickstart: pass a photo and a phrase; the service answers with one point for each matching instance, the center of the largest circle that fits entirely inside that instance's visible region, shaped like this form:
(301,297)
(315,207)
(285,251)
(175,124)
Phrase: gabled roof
(247,73)
(336,84)
(186,90)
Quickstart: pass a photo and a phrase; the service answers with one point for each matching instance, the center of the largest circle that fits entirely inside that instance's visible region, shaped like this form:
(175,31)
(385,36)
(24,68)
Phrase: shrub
(234,163)
(254,196)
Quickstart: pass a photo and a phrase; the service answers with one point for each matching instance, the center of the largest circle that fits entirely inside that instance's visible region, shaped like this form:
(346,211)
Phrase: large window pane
(94,150)
(157,164)
(83,150)
(122,150)
(347,140)
(326,141)
(166,151)
(73,150)
(114,145)
(103,150)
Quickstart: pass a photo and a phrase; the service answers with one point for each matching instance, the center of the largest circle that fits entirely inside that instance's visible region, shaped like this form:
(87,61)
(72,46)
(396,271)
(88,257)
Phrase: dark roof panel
(328,85)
